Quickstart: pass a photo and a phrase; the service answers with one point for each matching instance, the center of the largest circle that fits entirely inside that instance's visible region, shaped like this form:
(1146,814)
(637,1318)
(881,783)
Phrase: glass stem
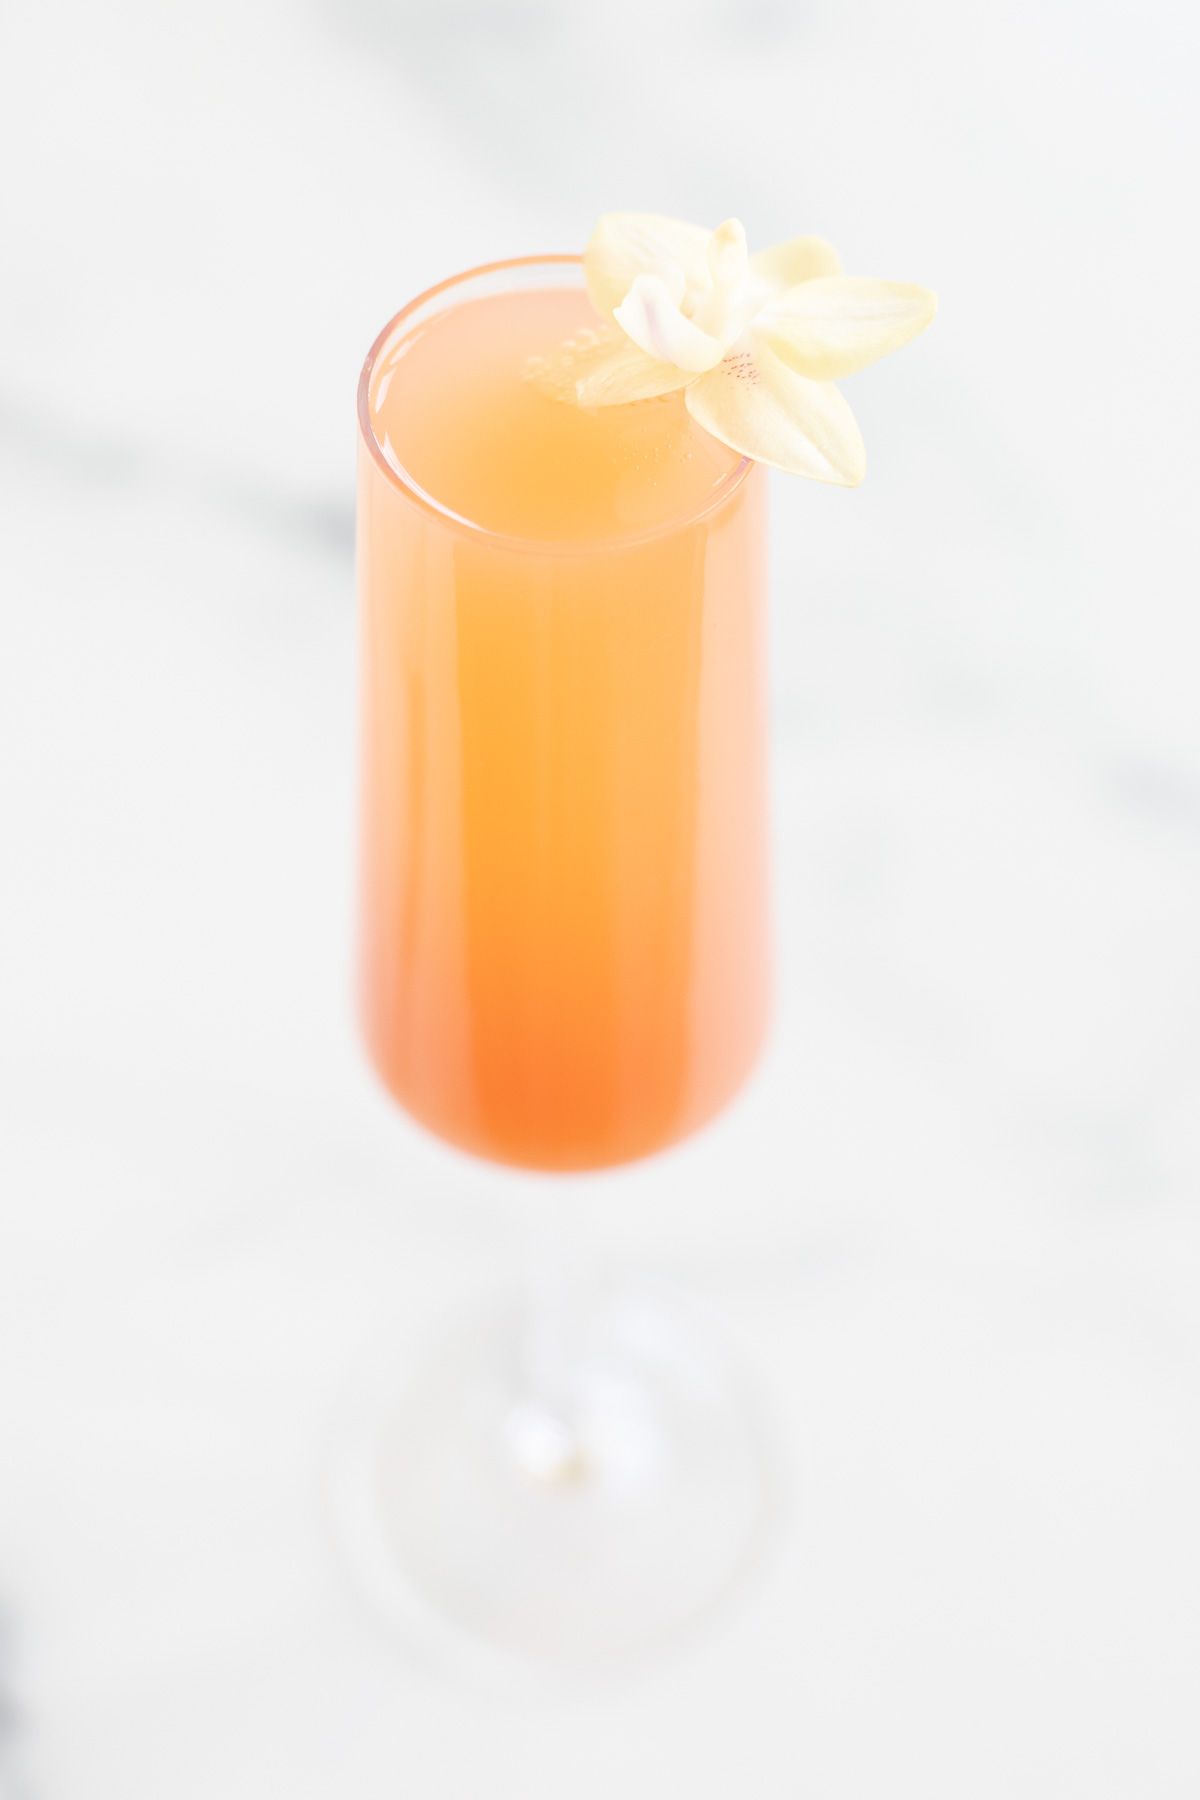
(544,1428)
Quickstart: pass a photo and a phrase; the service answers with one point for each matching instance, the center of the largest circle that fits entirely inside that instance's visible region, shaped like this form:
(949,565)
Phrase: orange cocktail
(563,936)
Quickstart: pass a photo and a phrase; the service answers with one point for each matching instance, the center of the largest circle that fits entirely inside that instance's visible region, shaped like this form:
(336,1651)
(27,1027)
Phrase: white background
(953,1227)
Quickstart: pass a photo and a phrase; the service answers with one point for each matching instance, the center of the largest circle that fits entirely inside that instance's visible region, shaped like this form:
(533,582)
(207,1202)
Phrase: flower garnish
(754,341)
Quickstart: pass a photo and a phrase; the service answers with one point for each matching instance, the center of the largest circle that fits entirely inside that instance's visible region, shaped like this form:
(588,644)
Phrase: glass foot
(557,1523)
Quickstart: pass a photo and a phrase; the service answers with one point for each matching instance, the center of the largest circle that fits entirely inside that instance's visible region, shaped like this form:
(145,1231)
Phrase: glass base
(553,1525)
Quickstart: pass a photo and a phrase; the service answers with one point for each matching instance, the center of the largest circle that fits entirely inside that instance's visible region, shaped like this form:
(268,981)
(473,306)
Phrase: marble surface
(953,1226)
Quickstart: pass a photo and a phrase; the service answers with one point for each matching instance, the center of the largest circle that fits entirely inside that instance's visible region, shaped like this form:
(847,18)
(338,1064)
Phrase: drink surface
(563,887)
(453,410)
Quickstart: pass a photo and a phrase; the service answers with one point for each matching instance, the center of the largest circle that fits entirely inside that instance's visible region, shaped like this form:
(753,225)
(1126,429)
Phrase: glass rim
(405,484)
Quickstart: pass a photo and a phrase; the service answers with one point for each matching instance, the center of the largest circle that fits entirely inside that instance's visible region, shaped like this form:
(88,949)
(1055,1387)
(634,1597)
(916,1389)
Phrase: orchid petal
(600,367)
(801,259)
(829,327)
(726,255)
(626,245)
(759,406)
(725,302)
(652,318)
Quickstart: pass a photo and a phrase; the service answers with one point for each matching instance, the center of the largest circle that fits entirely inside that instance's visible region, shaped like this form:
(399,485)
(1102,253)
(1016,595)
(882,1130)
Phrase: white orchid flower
(754,341)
